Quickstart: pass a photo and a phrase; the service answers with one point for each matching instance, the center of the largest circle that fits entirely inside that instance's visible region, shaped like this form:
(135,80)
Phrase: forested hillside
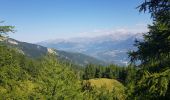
(22,77)
(45,78)
(36,51)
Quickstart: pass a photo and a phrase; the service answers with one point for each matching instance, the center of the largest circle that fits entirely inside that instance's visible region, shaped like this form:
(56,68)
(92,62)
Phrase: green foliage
(45,78)
(90,71)
(155,84)
(5,29)
(159,9)
(130,80)
(112,71)
(155,46)
(152,81)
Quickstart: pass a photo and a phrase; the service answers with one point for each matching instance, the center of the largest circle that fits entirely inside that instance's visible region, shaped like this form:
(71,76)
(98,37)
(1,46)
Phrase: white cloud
(118,32)
(122,31)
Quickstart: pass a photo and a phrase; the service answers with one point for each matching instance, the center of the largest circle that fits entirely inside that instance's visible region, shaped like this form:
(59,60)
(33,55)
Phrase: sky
(39,20)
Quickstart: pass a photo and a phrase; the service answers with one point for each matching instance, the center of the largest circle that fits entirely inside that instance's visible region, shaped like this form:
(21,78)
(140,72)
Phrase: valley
(108,48)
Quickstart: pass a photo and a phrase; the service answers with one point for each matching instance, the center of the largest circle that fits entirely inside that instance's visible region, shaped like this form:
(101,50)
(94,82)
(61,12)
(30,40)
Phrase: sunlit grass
(108,84)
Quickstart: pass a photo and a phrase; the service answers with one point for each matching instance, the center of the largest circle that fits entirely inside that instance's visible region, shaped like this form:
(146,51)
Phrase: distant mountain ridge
(109,48)
(35,51)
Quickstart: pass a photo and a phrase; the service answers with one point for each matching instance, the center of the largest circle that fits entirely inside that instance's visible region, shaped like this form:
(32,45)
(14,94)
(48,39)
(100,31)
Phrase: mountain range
(36,51)
(108,48)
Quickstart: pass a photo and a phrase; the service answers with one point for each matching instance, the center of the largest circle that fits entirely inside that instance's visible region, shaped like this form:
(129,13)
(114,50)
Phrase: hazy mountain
(35,51)
(109,48)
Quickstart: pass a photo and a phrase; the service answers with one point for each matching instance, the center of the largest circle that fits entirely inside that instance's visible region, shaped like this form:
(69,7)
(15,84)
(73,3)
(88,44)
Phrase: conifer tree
(4,29)
(154,53)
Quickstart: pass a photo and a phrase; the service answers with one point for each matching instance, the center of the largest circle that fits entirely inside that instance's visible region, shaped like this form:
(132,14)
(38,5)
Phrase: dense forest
(47,77)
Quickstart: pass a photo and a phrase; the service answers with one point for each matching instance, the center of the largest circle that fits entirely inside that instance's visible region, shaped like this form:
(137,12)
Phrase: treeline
(112,72)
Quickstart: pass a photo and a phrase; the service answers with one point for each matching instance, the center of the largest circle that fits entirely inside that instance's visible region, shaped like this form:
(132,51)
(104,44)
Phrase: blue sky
(38,20)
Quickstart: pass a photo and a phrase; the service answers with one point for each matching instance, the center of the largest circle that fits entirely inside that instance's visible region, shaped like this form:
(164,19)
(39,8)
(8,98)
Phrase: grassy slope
(109,84)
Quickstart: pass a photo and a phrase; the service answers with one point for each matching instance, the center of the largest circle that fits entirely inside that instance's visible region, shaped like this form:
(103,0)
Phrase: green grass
(108,84)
